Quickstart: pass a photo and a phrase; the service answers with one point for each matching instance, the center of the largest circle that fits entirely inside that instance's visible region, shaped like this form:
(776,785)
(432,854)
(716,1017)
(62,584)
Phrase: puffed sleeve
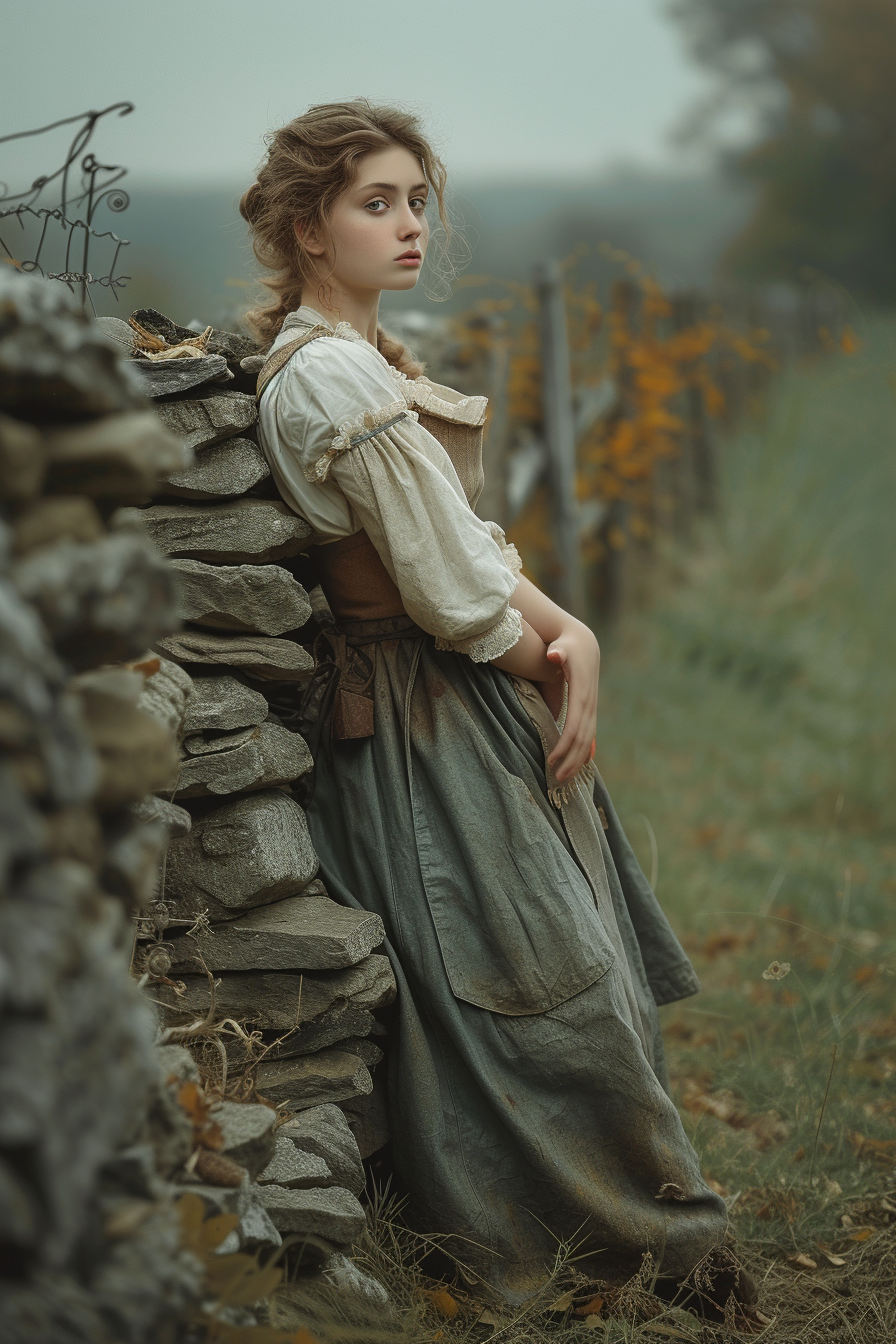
(343,414)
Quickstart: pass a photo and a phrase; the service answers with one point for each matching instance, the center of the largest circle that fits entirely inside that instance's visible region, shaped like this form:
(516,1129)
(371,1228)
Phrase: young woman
(455,793)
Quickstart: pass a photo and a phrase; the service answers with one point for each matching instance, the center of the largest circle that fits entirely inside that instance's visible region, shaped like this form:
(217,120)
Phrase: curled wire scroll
(68,200)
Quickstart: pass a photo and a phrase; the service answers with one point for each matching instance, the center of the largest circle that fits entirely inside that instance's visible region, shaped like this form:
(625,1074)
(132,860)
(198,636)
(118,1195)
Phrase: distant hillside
(189,255)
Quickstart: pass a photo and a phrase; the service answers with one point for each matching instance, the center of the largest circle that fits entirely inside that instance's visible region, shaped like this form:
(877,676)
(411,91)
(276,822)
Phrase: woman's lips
(409,259)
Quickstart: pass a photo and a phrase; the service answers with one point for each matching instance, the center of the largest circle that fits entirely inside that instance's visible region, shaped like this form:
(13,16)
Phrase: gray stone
(223,702)
(23,465)
(311,1080)
(245,532)
(209,419)
(368,1118)
(136,754)
(103,602)
(212,740)
(334,1215)
(256,1227)
(245,854)
(166,695)
(55,363)
(367,1050)
(294,1169)
(56,518)
(225,469)
(177,1065)
(280,1001)
(234,345)
(258,655)
(324,1131)
(133,858)
(120,456)
(270,756)
(306,931)
(253,364)
(176,820)
(259,599)
(248,1130)
(168,377)
(328,1029)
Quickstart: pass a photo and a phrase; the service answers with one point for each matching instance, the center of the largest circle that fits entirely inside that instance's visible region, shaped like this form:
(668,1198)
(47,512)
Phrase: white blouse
(347,452)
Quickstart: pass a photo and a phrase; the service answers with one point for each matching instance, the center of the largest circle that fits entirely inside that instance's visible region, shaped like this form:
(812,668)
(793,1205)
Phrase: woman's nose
(411,226)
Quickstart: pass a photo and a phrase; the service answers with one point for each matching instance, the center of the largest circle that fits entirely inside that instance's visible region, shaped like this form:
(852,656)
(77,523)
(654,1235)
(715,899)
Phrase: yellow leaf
(862,1234)
(443,1302)
(191,1211)
(216,1229)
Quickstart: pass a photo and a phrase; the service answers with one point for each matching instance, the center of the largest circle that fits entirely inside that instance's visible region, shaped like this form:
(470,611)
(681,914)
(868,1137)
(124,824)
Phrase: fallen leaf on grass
(591,1307)
(861,1234)
(881,1151)
(489,1317)
(565,1302)
(800,1261)
(829,1255)
(443,1302)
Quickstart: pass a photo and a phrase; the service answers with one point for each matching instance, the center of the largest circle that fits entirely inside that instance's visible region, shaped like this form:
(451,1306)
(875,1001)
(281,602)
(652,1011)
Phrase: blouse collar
(306,316)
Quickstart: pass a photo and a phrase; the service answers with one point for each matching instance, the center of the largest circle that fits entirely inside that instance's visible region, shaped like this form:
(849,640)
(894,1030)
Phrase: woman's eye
(372,204)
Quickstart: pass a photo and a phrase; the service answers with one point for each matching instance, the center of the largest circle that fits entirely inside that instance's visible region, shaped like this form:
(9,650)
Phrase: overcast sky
(509,88)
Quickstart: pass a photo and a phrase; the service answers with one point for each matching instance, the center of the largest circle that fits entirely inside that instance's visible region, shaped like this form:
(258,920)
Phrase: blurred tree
(817,78)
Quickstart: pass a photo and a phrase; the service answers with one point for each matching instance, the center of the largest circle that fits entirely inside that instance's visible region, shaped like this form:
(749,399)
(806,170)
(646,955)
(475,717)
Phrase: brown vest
(355,582)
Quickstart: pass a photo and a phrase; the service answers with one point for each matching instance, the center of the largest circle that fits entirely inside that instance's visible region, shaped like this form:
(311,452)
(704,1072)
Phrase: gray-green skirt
(527,1093)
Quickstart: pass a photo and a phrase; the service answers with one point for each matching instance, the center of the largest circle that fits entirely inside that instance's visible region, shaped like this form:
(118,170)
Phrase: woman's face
(377,233)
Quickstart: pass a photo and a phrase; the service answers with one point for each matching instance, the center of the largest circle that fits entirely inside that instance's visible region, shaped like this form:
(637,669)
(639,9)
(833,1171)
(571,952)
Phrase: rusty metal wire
(66,201)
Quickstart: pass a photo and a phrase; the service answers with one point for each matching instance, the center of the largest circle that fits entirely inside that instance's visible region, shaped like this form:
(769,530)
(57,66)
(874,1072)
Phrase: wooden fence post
(559,435)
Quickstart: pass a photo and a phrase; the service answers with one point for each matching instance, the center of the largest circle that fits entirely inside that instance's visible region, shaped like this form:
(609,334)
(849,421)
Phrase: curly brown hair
(309,164)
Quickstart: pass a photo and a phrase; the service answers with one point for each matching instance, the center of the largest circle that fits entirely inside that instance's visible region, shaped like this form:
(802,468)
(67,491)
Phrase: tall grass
(747,731)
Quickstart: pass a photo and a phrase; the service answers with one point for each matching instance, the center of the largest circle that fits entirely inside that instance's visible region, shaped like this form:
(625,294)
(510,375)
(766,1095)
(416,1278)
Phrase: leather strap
(283,354)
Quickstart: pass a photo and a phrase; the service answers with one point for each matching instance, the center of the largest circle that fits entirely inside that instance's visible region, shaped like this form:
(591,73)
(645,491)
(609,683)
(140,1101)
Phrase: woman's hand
(576,654)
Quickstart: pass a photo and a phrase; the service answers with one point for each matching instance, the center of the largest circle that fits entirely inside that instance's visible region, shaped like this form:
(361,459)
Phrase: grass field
(747,732)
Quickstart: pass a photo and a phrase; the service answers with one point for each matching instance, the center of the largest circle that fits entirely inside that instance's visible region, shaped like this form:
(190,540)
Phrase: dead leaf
(592,1307)
(443,1302)
(800,1261)
(565,1302)
(489,1317)
(862,1234)
(829,1255)
(592,1323)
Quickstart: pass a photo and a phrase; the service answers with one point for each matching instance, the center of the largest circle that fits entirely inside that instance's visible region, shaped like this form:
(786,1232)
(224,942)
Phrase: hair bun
(250,203)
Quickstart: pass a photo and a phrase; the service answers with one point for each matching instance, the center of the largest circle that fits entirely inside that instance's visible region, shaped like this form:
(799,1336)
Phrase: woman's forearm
(528,657)
(544,616)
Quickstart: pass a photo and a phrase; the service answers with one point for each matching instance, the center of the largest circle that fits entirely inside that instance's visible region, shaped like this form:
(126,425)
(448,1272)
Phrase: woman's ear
(309,239)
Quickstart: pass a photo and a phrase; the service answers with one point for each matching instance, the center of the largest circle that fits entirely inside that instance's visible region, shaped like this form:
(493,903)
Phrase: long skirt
(527,1095)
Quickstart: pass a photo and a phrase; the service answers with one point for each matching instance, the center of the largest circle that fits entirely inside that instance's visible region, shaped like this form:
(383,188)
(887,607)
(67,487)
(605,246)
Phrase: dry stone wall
(111,754)
(91,1135)
(295,968)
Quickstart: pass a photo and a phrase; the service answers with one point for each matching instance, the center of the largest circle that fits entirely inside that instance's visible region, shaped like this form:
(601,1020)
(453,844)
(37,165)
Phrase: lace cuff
(495,642)
(352,432)
(512,558)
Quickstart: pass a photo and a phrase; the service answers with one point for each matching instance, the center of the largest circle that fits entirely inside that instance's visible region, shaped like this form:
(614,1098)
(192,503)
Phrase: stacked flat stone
(90,1134)
(293,965)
